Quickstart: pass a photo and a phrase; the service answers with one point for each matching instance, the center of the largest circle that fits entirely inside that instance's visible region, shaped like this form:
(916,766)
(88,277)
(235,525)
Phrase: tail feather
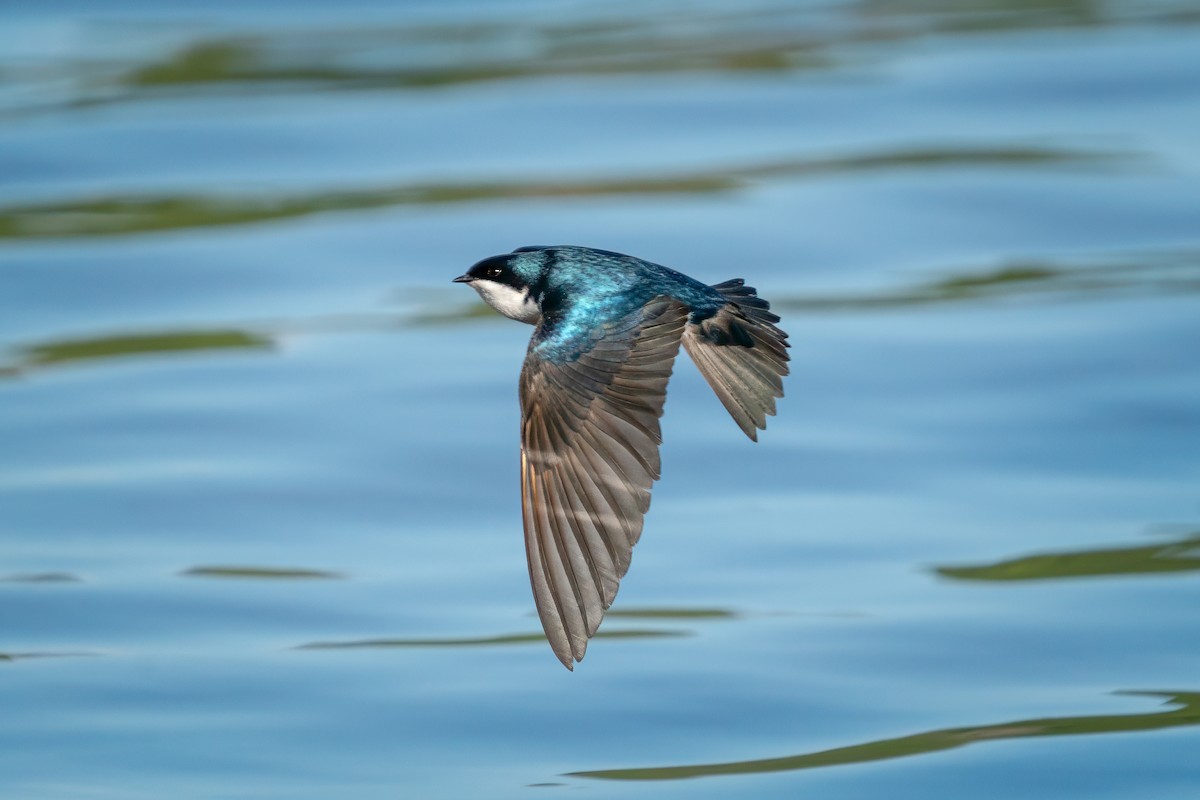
(742,354)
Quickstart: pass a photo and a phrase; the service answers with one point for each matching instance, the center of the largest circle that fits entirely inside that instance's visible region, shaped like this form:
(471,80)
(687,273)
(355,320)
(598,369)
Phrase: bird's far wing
(589,454)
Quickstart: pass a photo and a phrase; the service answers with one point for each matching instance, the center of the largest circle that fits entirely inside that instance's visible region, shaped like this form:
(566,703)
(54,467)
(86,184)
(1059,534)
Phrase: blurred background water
(259,525)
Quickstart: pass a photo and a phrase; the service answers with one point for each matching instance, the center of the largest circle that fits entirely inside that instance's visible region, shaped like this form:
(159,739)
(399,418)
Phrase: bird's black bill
(463,279)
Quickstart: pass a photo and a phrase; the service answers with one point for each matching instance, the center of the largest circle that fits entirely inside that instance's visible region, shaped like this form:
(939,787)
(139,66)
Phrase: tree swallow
(592,391)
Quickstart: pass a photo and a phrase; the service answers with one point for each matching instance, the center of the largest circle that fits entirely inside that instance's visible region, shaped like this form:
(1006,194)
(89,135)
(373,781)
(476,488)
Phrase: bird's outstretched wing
(589,454)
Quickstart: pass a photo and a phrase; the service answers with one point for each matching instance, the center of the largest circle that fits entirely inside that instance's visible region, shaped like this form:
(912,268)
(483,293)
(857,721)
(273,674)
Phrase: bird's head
(506,282)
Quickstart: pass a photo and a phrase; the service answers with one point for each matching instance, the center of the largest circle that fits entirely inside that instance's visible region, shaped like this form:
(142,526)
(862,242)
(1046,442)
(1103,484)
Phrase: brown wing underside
(589,455)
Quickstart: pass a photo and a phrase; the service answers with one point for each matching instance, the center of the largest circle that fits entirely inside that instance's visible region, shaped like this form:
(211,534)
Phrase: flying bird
(608,328)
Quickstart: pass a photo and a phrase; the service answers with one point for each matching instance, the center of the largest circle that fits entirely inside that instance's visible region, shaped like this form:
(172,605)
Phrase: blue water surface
(259,514)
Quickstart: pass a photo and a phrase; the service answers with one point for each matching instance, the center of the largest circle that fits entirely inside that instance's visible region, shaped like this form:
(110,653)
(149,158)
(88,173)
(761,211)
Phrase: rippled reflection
(42,577)
(1180,555)
(1187,713)
(673,613)
(713,40)
(128,215)
(58,352)
(259,573)
(484,641)
(10,657)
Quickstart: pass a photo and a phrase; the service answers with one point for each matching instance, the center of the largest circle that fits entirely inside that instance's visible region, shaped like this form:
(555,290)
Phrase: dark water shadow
(125,215)
(11,657)
(699,614)
(483,641)
(1187,713)
(259,573)
(1140,274)
(88,350)
(58,352)
(41,578)
(1180,555)
(774,39)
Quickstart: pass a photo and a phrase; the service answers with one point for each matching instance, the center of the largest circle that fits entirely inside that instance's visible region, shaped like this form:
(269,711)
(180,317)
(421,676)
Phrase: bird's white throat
(512,303)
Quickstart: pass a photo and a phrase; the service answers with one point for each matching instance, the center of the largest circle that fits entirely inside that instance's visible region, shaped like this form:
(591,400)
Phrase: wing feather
(614,538)
(589,456)
(742,354)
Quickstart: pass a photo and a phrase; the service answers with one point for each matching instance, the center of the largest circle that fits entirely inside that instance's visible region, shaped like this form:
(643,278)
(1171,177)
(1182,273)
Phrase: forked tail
(741,354)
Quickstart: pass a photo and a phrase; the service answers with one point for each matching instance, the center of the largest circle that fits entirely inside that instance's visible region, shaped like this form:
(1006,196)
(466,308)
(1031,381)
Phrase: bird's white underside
(512,303)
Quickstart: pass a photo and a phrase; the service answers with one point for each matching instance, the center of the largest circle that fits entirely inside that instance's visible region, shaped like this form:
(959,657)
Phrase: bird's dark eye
(493,272)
